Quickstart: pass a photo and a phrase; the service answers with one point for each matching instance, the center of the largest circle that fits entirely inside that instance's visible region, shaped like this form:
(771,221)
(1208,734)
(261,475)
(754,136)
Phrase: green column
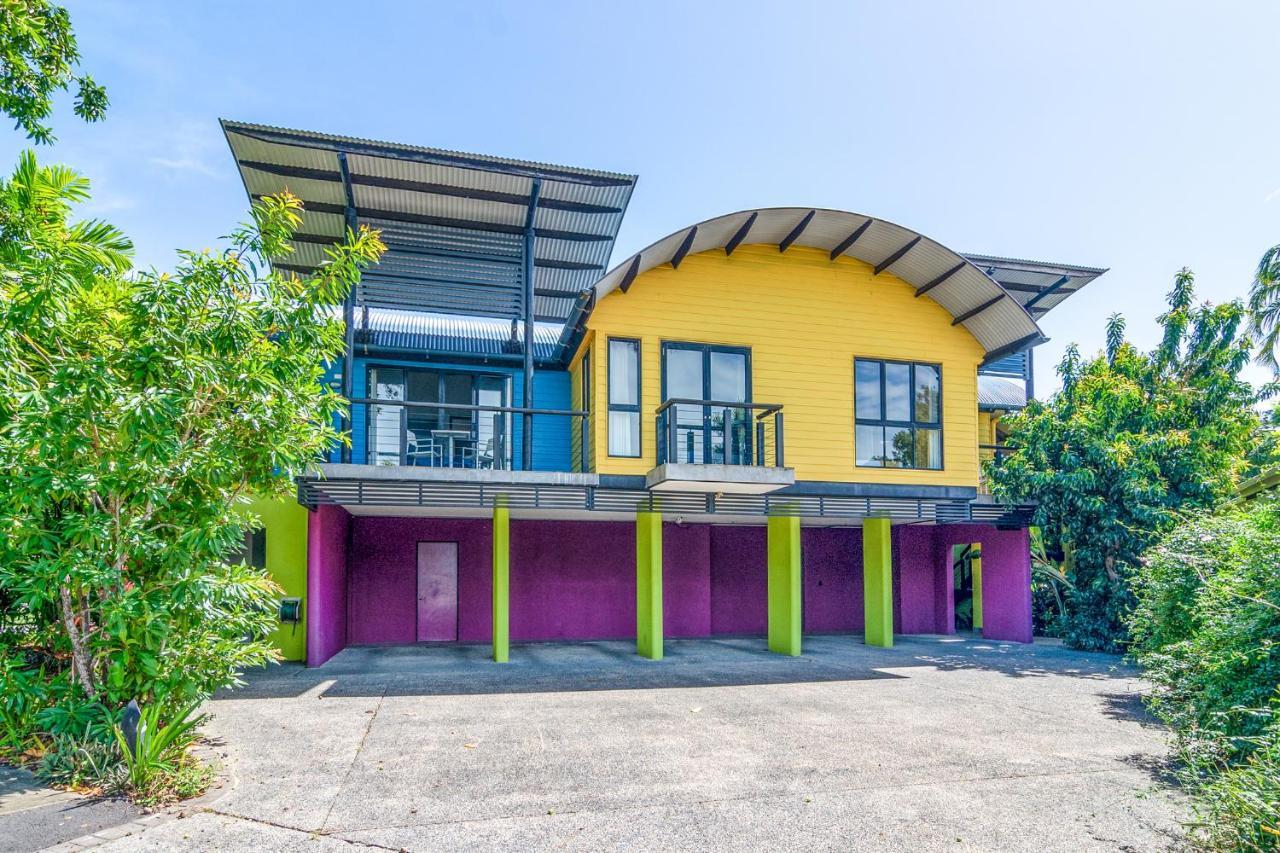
(649,585)
(975,564)
(501,583)
(877,581)
(784,584)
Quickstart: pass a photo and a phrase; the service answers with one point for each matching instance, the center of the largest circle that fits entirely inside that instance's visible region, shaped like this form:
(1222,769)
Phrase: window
(583,429)
(624,397)
(252,550)
(898,414)
(701,433)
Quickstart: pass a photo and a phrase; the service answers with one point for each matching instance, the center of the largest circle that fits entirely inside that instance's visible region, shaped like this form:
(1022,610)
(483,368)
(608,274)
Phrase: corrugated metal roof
(388,328)
(576,221)
(998,392)
(1001,326)
(1038,285)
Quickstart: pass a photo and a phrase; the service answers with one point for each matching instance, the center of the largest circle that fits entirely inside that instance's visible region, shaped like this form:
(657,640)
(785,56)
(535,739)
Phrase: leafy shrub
(158,748)
(1237,806)
(1206,628)
(84,762)
(1207,624)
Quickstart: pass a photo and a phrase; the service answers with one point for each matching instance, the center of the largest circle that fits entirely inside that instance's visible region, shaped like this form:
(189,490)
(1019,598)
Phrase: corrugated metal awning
(998,392)
(1038,285)
(450,335)
(992,315)
(453,222)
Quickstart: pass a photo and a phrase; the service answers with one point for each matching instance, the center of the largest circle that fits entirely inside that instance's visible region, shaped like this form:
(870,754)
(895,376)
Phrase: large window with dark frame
(897,414)
(624,397)
(424,435)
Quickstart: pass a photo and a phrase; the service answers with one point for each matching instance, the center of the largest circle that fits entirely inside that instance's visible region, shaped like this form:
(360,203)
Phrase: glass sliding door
(385,425)
(438,436)
(705,433)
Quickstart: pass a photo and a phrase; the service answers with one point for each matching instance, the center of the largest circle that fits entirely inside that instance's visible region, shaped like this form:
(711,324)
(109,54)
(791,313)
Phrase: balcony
(719,447)
(459,436)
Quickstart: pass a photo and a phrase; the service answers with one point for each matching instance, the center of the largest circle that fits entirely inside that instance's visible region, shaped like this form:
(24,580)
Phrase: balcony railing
(447,435)
(715,432)
(990,454)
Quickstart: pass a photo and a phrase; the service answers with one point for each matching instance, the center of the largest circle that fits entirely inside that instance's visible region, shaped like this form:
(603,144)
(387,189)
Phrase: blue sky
(1136,136)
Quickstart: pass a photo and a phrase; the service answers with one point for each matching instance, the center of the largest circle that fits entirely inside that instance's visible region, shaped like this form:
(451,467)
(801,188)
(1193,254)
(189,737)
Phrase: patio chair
(425,452)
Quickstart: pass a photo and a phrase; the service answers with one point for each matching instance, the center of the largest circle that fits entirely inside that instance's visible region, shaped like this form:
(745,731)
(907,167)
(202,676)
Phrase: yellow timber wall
(805,318)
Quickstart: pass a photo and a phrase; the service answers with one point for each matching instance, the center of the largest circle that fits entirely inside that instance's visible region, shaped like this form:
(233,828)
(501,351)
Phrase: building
(768,423)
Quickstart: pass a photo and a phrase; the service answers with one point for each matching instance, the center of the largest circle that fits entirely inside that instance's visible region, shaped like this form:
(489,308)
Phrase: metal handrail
(467,407)
(668,427)
(766,408)
(500,428)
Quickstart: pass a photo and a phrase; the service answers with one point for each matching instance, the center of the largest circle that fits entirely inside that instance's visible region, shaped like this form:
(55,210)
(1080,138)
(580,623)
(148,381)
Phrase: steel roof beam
(969,315)
(796,232)
(921,291)
(1034,339)
(630,275)
(851,239)
(741,233)
(685,245)
(1048,291)
(448,222)
(896,256)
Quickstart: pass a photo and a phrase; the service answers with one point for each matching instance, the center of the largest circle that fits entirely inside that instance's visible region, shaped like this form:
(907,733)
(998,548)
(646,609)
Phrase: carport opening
(966,571)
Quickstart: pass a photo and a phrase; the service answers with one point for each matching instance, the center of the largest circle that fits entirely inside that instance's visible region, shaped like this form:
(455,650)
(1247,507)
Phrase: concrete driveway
(936,744)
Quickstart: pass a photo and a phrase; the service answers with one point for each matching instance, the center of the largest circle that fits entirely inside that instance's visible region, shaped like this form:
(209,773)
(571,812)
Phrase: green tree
(138,411)
(1132,441)
(38,57)
(1264,308)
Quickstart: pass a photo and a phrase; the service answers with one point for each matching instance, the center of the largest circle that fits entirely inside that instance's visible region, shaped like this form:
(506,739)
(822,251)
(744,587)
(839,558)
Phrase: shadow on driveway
(459,670)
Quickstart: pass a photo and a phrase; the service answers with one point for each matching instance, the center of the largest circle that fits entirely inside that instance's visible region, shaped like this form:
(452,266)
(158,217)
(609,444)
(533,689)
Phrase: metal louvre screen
(448,270)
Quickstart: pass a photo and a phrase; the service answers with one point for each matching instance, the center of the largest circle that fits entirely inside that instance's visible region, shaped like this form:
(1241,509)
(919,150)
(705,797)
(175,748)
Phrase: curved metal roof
(994,317)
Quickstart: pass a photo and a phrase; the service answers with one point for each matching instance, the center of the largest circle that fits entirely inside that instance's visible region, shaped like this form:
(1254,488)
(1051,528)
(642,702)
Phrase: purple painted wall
(328,534)
(686,580)
(924,553)
(739,580)
(573,580)
(576,579)
(384,577)
(921,599)
(832,561)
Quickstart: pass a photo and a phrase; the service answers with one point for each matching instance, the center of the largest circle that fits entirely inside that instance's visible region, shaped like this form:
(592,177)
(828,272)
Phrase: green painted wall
(285,521)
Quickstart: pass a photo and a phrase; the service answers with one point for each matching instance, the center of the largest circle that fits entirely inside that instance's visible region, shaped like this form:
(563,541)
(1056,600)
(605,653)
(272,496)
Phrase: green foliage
(158,748)
(1132,441)
(1237,807)
(1206,628)
(1264,307)
(38,56)
(142,410)
(81,762)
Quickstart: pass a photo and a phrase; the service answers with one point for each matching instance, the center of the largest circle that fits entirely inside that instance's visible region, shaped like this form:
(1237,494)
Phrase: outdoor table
(450,438)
